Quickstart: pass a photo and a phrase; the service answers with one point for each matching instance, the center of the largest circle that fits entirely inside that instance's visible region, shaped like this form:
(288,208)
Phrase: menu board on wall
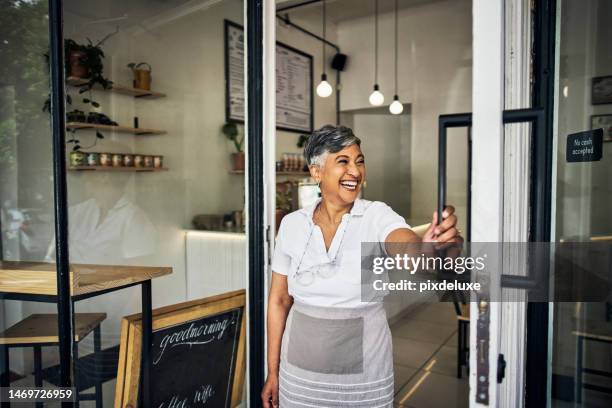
(294,95)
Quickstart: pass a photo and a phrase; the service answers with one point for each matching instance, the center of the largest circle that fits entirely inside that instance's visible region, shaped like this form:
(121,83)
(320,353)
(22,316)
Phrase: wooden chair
(40,330)
(581,337)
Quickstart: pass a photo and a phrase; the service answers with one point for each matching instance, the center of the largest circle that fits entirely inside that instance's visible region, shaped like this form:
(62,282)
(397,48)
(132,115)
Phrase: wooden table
(37,282)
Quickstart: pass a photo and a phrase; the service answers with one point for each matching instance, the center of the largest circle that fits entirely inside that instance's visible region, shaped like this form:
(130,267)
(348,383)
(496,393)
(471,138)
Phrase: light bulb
(324,89)
(376,97)
(396,106)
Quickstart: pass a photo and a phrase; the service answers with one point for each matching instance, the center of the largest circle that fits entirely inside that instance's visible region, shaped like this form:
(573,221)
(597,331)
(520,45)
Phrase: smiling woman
(326,346)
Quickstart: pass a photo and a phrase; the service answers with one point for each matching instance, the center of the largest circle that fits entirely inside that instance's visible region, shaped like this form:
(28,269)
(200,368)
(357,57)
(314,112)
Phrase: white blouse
(319,277)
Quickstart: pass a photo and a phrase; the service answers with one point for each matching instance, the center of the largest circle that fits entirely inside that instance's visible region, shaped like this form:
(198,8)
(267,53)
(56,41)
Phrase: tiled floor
(425,358)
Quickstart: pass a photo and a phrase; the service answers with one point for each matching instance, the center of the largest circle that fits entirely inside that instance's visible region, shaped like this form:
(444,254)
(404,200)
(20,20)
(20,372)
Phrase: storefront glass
(26,190)
(155,174)
(582,332)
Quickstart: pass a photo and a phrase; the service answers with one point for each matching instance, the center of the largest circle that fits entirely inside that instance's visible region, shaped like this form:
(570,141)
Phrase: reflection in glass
(582,332)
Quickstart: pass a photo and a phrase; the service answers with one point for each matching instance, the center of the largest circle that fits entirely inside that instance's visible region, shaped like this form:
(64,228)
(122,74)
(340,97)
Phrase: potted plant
(86,61)
(302,141)
(142,75)
(230,130)
(83,61)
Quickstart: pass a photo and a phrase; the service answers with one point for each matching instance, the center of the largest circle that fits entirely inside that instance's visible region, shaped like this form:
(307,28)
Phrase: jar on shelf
(117,160)
(128,160)
(138,160)
(93,159)
(106,159)
(158,162)
(148,161)
(77,158)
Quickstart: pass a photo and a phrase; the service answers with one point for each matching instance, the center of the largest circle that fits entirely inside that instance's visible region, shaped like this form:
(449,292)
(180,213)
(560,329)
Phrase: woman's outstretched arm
(279,304)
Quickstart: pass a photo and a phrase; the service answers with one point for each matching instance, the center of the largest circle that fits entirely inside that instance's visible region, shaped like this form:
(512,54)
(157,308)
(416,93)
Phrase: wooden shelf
(120,89)
(111,168)
(110,128)
(279,173)
(39,278)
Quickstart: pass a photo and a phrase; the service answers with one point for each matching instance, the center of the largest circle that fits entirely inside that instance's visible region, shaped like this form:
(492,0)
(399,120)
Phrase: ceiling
(134,12)
(340,10)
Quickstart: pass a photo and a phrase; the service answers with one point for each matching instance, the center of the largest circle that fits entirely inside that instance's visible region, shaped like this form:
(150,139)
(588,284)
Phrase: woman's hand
(447,231)
(269,394)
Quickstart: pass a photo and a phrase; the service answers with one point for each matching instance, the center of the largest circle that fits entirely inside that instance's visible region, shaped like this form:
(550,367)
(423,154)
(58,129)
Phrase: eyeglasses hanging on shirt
(325,269)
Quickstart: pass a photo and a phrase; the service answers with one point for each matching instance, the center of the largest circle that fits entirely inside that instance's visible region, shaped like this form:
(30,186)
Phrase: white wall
(435,68)
(387,164)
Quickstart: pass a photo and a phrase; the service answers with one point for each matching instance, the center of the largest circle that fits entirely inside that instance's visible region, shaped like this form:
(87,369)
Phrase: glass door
(581,332)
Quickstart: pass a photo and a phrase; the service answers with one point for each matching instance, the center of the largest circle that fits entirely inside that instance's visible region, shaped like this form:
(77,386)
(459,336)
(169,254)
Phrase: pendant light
(324,89)
(396,106)
(376,97)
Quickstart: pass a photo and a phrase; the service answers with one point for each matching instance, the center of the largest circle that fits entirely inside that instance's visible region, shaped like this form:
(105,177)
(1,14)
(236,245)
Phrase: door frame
(538,339)
(487,189)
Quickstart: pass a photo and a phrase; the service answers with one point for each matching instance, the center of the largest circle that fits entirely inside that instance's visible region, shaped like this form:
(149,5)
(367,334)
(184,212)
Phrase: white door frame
(500,199)
(487,177)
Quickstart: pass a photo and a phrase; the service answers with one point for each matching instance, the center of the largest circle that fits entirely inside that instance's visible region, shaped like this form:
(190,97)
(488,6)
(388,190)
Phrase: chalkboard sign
(193,362)
(197,356)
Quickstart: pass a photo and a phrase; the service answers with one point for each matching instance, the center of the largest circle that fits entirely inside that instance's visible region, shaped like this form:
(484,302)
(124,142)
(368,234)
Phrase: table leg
(97,350)
(147,337)
(466,346)
(578,379)
(459,349)
(38,380)
(5,380)
(75,364)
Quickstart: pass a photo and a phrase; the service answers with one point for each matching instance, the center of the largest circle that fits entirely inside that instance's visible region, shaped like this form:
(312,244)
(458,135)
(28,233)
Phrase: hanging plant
(86,61)
(83,61)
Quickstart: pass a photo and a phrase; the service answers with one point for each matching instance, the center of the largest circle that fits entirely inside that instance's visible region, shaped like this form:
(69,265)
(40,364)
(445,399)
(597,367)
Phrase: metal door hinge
(501,368)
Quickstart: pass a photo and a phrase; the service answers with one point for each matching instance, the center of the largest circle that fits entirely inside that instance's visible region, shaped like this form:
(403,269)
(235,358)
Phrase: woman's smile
(350,185)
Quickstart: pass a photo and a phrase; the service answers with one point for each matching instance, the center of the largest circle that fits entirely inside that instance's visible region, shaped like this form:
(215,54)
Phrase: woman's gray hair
(328,139)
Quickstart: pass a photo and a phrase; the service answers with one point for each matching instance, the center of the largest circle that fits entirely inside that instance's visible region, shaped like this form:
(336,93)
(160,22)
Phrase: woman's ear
(315,172)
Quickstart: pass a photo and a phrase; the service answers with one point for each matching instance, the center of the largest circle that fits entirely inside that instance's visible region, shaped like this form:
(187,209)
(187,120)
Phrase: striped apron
(336,357)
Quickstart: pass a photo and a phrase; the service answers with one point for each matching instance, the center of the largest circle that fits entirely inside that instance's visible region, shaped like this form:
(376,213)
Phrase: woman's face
(342,175)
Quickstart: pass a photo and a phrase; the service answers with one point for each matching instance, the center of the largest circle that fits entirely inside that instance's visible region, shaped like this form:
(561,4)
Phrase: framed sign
(601,90)
(294,83)
(603,122)
(584,146)
(197,357)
